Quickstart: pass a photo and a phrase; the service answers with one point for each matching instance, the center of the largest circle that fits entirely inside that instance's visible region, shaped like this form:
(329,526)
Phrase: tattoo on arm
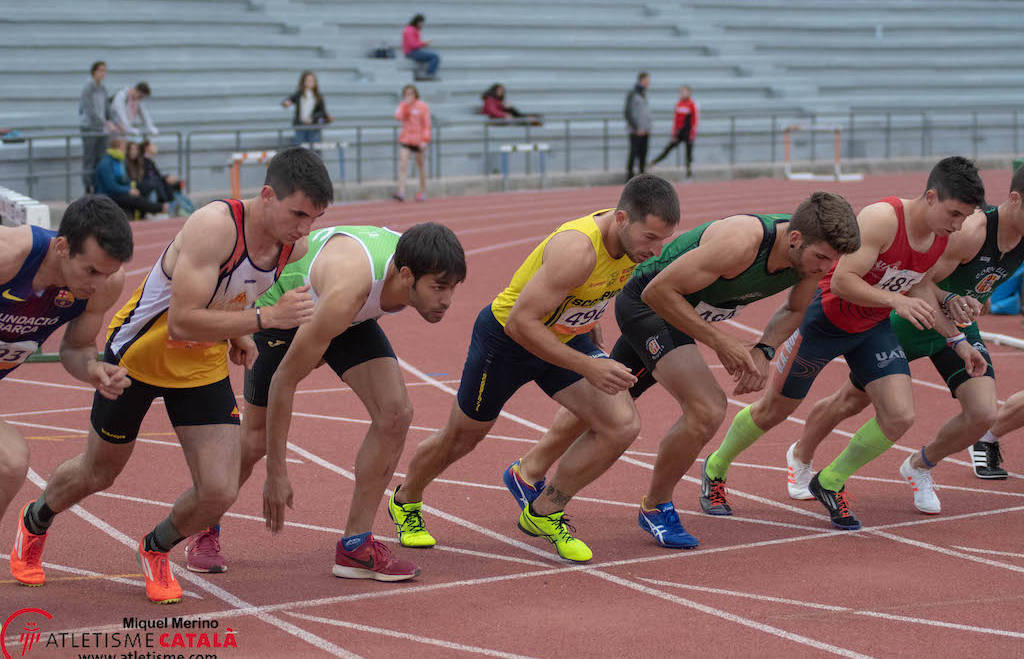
(557,496)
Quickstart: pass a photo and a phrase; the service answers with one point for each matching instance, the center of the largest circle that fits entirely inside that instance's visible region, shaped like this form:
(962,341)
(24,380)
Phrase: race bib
(899,281)
(580,320)
(713,314)
(13,354)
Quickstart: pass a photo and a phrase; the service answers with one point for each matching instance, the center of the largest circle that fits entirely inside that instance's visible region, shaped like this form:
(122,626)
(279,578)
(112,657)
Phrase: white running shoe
(925,498)
(799,477)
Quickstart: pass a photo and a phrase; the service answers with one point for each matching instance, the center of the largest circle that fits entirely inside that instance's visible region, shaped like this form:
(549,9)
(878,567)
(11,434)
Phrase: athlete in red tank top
(897,269)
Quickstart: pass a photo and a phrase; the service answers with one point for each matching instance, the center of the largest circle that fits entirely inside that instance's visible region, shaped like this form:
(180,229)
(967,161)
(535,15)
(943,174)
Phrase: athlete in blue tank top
(51,278)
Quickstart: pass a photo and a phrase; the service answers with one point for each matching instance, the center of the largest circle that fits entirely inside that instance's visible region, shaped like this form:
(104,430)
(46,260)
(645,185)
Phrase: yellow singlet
(584,305)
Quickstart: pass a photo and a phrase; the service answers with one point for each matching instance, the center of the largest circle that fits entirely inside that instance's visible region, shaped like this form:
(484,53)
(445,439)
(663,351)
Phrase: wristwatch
(769,352)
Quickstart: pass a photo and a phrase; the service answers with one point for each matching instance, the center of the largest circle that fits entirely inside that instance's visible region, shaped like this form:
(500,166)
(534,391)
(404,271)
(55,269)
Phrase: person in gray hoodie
(638,120)
(94,122)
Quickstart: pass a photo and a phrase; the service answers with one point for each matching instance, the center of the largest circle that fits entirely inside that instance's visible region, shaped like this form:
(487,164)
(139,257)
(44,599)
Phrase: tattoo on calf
(557,496)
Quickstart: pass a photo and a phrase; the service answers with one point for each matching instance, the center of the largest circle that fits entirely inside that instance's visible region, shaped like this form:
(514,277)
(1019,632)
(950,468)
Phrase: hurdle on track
(541,148)
(836,175)
(240,158)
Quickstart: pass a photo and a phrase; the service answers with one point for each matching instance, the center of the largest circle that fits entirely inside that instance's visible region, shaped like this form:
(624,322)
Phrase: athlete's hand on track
(108,379)
(243,351)
(609,376)
(294,308)
(750,382)
(735,357)
(974,361)
(915,310)
(277,493)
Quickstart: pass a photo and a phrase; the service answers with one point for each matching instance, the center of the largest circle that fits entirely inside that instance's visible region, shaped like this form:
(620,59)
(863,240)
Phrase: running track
(774,580)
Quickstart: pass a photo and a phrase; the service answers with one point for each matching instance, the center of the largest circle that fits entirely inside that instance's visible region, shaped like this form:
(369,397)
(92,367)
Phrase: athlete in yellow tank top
(541,329)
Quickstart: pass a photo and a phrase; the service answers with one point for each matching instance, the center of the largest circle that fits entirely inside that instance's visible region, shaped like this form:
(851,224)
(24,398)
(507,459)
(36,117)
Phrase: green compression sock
(867,443)
(742,433)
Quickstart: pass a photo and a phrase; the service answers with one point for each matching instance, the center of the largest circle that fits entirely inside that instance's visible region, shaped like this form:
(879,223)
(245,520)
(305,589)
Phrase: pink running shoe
(372,560)
(203,552)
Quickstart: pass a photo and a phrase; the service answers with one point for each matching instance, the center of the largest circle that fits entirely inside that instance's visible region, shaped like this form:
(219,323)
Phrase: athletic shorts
(646,338)
(414,148)
(871,355)
(358,344)
(929,343)
(496,367)
(117,421)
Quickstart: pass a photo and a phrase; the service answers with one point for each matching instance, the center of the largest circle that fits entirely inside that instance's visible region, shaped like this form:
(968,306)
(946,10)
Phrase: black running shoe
(987,461)
(712,494)
(836,504)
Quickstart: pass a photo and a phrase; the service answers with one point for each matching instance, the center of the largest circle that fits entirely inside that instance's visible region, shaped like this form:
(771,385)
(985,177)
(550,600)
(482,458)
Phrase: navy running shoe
(836,504)
(663,524)
(523,492)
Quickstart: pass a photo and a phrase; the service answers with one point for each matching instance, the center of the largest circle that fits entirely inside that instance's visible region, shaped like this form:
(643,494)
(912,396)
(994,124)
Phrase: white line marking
(990,551)
(203,584)
(50,384)
(99,575)
(426,640)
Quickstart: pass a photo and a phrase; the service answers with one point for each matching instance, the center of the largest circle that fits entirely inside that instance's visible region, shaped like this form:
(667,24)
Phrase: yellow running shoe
(408,519)
(557,529)
(161,586)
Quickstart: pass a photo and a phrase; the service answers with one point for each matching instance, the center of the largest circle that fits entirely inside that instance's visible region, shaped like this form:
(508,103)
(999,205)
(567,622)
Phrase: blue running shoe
(524,492)
(663,524)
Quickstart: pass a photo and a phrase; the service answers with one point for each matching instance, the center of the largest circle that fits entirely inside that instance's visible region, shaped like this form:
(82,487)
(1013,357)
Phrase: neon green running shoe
(409,521)
(557,529)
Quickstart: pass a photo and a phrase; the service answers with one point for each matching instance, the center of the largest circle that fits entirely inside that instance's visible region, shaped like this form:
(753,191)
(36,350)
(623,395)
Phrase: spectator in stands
(415,117)
(638,120)
(160,187)
(496,108)
(415,48)
(684,129)
(94,121)
(310,109)
(112,180)
(127,110)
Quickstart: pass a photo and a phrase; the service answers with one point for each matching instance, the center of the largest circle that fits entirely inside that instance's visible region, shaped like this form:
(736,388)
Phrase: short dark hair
(298,168)
(957,178)
(418,18)
(643,74)
(97,216)
(96,65)
(1017,182)
(430,248)
(827,217)
(143,88)
(648,194)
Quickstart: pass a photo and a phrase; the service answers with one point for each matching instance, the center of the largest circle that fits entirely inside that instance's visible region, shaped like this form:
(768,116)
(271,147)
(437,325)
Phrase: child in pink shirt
(415,117)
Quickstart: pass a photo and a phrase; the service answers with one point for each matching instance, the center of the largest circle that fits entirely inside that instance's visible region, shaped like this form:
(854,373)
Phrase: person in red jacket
(684,129)
(415,117)
(415,48)
(496,108)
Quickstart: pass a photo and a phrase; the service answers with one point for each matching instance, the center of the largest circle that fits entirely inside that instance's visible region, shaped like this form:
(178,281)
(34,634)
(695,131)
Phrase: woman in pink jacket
(415,117)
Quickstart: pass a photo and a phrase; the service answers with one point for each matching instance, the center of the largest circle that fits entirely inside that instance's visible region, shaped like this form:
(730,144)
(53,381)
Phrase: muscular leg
(213,454)
(13,464)
(89,472)
(436,453)
(565,429)
(977,398)
(378,383)
(614,425)
(1010,416)
(253,440)
(747,426)
(826,414)
(685,375)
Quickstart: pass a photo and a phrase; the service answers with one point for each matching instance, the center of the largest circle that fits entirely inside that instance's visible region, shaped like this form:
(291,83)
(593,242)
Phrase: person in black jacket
(310,109)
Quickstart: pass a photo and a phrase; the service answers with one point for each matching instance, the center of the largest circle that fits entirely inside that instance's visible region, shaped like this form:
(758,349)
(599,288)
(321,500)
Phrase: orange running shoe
(161,586)
(27,554)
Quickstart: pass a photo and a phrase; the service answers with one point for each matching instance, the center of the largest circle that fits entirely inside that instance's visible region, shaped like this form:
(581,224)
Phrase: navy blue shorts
(871,354)
(496,367)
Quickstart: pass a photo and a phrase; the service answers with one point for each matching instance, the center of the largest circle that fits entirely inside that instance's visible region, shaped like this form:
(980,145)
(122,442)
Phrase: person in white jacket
(127,110)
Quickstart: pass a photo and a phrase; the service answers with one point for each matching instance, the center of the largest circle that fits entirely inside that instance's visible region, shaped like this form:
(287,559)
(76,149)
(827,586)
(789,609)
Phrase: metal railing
(578,142)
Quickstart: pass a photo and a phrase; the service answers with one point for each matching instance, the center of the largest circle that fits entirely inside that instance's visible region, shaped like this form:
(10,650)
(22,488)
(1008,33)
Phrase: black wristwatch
(769,352)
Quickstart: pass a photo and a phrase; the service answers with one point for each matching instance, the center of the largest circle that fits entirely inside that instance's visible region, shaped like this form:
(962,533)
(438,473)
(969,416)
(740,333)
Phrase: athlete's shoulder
(15,246)
(740,231)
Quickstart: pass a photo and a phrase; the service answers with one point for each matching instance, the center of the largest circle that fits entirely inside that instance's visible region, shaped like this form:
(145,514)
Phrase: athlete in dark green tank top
(725,296)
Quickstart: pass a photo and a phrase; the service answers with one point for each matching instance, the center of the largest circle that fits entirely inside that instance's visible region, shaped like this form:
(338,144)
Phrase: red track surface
(773,580)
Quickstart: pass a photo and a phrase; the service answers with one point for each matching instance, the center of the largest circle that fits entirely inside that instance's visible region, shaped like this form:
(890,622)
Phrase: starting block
(541,148)
(17,209)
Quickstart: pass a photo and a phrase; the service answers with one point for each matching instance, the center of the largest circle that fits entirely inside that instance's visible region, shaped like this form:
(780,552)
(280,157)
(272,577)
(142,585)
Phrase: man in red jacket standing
(684,129)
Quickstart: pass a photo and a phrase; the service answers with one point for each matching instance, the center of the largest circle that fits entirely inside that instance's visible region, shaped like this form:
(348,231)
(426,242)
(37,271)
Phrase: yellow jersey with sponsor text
(584,305)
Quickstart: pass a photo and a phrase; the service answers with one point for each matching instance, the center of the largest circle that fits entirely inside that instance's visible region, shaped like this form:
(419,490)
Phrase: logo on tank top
(64,298)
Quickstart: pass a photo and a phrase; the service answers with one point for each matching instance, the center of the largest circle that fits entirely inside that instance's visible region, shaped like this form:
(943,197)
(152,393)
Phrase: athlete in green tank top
(987,250)
(677,299)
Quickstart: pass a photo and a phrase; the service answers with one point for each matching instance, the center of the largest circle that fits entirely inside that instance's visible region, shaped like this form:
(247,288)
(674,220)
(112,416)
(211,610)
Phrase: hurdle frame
(239,158)
(506,150)
(837,172)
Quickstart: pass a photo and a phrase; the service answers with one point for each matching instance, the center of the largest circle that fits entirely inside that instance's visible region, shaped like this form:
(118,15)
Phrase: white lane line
(989,551)
(945,550)
(203,584)
(50,384)
(8,415)
(99,575)
(839,609)
(425,640)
